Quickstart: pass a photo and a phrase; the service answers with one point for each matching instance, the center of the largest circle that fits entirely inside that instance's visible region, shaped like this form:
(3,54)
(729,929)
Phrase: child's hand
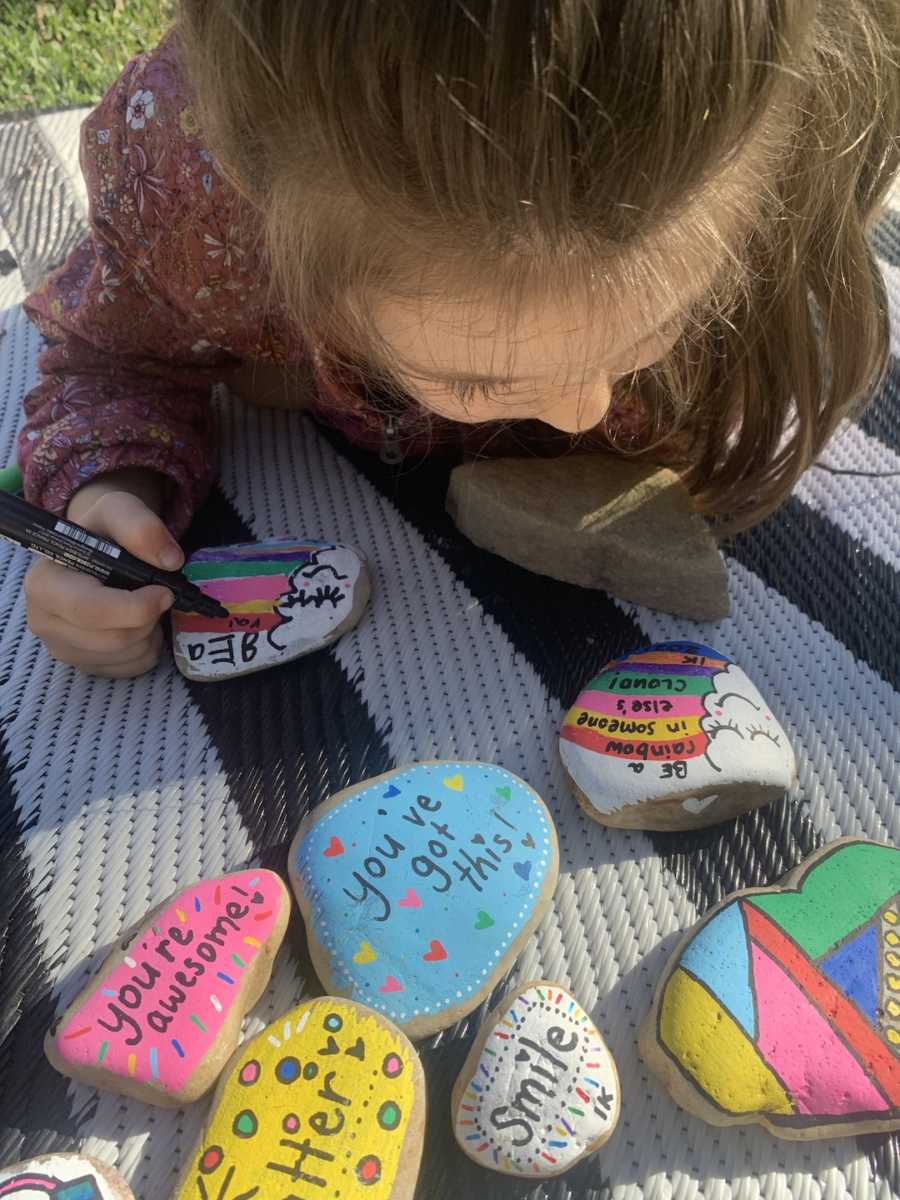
(102,630)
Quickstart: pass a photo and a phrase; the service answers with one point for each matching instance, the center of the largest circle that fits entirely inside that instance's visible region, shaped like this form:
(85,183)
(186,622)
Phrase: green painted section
(842,892)
(234,570)
(645,684)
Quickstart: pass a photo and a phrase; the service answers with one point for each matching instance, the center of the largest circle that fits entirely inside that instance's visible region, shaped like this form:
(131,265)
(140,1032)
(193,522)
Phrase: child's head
(516,208)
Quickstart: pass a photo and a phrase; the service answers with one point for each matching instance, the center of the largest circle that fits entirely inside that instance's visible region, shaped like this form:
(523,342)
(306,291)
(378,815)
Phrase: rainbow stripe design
(648,705)
(773,1009)
(248,579)
(677,723)
(285,597)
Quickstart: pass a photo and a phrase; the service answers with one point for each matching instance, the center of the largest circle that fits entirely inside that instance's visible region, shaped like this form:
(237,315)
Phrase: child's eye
(467,392)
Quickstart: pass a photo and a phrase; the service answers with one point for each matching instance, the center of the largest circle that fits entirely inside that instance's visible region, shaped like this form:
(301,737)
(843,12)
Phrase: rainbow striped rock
(782,1006)
(285,598)
(539,1090)
(674,736)
(62,1177)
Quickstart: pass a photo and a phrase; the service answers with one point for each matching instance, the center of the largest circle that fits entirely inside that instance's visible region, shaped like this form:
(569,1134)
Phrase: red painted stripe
(584,1096)
(252,623)
(688,747)
(849,1023)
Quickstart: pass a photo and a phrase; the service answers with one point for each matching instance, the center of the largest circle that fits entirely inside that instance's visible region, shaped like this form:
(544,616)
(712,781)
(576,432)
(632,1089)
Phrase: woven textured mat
(114,794)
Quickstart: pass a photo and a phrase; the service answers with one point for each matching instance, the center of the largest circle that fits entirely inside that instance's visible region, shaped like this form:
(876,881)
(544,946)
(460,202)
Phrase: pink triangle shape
(821,1075)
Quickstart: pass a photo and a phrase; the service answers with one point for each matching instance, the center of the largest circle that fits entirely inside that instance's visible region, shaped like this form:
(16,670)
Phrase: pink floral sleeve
(127,373)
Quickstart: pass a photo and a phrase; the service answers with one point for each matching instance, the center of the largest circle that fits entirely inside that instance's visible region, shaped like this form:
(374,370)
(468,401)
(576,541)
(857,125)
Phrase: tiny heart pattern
(390,793)
(334,848)
(390,985)
(504,792)
(392,843)
(528,842)
(523,870)
(523,1056)
(365,954)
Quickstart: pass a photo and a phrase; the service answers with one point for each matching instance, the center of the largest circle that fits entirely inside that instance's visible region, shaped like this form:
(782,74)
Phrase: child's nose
(581,410)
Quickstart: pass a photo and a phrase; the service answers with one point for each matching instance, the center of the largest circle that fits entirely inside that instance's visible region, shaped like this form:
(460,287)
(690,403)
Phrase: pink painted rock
(164,1013)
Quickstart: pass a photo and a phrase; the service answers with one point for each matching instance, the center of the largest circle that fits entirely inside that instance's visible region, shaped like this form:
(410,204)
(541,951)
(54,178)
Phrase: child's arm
(118,431)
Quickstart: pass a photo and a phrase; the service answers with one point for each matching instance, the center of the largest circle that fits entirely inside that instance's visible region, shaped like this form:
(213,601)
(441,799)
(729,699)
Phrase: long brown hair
(518,143)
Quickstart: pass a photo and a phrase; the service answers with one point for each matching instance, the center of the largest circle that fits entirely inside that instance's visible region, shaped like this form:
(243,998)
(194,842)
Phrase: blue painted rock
(539,1089)
(673,736)
(64,1177)
(782,1006)
(419,887)
(285,598)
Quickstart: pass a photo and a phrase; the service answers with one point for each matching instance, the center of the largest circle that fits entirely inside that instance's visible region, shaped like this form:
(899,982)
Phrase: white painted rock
(419,887)
(286,598)
(539,1089)
(62,1177)
(328,1101)
(163,1014)
(674,736)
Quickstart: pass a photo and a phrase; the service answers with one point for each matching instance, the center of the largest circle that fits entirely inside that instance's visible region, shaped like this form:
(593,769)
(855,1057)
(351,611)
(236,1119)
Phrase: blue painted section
(417,885)
(719,956)
(854,968)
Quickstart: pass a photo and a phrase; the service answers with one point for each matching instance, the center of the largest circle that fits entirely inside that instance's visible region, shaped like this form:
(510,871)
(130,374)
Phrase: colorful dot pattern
(319,1103)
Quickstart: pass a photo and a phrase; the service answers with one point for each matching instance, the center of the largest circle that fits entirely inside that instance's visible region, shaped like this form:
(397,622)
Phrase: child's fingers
(84,601)
(114,643)
(127,520)
(135,661)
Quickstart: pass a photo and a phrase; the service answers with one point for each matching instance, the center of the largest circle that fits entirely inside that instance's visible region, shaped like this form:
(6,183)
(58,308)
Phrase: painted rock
(328,1100)
(419,887)
(674,736)
(64,1177)
(539,1089)
(285,598)
(164,1013)
(782,1006)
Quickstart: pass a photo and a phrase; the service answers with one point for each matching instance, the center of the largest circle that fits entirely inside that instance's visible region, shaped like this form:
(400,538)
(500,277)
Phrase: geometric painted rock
(673,736)
(285,598)
(598,521)
(329,1100)
(419,887)
(539,1089)
(782,1006)
(163,1014)
(64,1177)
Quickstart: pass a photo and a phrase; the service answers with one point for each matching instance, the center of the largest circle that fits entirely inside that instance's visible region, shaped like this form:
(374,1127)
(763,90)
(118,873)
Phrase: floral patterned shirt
(167,295)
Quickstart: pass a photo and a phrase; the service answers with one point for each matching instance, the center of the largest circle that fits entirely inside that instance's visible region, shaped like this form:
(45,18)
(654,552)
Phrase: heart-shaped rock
(164,1012)
(285,598)
(674,736)
(539,1089)
(329,1098)
(424,841)
(69,1176)
(776,1007)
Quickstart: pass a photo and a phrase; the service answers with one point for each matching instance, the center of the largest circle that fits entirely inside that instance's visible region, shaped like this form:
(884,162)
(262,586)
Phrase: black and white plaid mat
(113,794)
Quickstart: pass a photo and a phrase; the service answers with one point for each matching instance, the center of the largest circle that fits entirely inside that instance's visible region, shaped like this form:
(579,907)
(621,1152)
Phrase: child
(470,226)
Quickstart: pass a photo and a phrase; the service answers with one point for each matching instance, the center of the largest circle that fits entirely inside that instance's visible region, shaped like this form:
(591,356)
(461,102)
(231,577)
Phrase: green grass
(59,53)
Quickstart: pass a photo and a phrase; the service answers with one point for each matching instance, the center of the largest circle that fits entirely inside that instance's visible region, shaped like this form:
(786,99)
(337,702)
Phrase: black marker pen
(77,548)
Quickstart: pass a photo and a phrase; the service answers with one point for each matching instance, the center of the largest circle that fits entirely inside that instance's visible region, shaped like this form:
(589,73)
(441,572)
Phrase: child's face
(558,361)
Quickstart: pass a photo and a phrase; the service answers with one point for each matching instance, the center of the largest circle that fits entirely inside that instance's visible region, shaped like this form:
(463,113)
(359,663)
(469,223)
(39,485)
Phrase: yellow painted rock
(328,1101)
